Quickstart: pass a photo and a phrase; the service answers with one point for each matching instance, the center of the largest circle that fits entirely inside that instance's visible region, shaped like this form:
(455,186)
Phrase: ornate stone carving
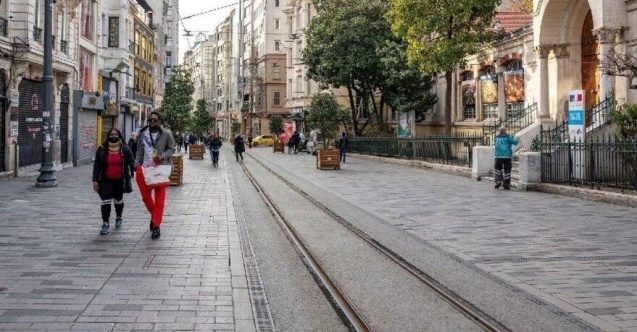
(543,51)
(607,34)
(562,50)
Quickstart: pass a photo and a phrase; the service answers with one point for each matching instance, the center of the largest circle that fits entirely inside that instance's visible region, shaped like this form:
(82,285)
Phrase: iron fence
(514,123)
(600,163)
(451,150)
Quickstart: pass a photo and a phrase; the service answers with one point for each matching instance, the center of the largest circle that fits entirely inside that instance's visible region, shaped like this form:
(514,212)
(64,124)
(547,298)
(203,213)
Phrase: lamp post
(47,174)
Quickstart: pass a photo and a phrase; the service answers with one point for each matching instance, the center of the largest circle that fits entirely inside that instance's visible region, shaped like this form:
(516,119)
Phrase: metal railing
(37,34)
(599,115)
(451,150)
(3,27)
(514,123)
(599,163)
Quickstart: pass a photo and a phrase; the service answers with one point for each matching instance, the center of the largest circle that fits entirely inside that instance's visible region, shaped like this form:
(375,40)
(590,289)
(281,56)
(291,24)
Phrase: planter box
(278,146)
(177,175)
(328,159)
(195,151)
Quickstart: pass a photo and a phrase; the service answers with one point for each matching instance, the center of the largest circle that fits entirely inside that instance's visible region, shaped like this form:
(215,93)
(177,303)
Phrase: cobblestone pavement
(58,273)
(578,255)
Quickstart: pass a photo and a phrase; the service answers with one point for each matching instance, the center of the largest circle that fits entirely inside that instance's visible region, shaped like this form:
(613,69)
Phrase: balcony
(3,27)
(64,46)
(37,34)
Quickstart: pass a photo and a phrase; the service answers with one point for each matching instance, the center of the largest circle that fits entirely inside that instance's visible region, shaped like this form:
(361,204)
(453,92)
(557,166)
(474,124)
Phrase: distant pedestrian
(215,146)
(155,146)
(342,146)
(239,147)
(192,139)
(132,143)
(296,140)
(186,141)
(112,172)
(250,141)
(503,155)
(178,142)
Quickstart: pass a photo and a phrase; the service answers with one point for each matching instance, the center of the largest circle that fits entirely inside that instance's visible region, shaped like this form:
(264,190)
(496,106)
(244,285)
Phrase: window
(86,70)
(468,88)
(36,18)
(113,32)
(277,24)
(277,45)
(489,93)
(87,19)
(309,14)
(308,87)
(169,59)
(514,90)
(276,70)
(277,3)
(277,98)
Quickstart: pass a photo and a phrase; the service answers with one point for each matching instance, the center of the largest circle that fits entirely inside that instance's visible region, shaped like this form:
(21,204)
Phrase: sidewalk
(58,273)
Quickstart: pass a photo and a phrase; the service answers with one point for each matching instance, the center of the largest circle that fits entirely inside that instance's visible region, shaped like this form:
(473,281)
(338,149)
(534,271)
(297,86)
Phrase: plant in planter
(625,117)
(326,115)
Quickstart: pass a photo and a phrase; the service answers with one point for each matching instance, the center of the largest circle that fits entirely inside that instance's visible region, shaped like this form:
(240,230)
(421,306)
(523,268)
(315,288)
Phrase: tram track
(346,309)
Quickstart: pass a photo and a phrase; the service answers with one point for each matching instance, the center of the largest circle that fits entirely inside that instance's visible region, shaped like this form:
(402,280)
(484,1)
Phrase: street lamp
(47,174)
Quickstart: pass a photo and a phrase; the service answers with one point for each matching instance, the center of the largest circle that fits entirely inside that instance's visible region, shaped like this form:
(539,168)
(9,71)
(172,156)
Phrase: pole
(47,174)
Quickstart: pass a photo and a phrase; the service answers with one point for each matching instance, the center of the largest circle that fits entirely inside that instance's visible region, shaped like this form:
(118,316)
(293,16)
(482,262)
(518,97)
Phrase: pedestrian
(112,171)
(215,146)
(290,145)
(342,146)
(186,141)
(132,143)
(239,147)
(155,145)
(178,142)
(192,139)
(296,140)
(503,155)
(250,141)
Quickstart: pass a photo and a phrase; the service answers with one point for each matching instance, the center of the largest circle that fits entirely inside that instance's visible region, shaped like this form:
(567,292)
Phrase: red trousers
(155,206)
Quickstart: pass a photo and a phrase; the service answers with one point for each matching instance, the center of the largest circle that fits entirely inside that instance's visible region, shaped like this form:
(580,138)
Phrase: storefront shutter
(30,122)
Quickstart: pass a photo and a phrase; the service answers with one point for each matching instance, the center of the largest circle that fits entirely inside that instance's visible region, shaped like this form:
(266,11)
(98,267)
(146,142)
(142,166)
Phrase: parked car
(263,140)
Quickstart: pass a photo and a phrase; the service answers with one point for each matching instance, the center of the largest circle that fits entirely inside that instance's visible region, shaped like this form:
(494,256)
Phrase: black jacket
(215,144)
(128,168)
(239,144)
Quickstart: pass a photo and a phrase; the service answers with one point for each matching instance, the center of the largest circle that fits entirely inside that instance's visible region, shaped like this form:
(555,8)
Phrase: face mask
(113,139)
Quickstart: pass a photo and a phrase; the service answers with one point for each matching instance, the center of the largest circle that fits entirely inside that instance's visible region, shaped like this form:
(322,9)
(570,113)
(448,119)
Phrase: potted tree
(276,128)
(326,115)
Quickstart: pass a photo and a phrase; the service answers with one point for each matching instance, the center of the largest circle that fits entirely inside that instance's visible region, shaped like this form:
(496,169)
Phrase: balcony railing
(37,34)
(64,47)
(3,27)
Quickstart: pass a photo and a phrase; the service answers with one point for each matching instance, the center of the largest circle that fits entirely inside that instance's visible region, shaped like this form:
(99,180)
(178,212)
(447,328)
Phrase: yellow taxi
(263,140)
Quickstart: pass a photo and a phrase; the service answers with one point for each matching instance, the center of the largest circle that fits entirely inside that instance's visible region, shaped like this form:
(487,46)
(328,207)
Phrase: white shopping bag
(157,176)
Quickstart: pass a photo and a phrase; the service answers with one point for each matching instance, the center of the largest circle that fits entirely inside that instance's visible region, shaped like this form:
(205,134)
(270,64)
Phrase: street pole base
(47,177)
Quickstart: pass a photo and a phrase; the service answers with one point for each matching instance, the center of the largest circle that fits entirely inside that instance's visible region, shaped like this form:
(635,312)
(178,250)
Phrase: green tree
(276,125)
(405,89)
(176,106)
(201,120)
(326,115)
(343,40)
(235,127)
(440,34)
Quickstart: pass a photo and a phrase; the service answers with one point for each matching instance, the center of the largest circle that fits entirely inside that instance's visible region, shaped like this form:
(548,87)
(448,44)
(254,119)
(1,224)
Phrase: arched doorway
(590,65)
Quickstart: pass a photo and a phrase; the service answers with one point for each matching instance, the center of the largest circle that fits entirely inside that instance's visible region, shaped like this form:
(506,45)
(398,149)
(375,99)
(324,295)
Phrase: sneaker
(497,185)
(118,222)
(507,188)
(105,229)
(155,234)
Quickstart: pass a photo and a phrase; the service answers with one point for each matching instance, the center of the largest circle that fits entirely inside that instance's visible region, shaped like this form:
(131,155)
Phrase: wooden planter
(278,146)
(195,151)
(177,175)
(328,159)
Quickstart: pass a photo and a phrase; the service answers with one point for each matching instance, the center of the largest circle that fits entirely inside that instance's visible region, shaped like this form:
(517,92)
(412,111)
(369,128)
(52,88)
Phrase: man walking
(155,145)
(342,146)
(215,146)
(503,155)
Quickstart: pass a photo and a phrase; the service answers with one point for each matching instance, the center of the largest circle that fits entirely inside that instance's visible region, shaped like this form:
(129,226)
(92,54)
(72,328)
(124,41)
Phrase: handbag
(157,176)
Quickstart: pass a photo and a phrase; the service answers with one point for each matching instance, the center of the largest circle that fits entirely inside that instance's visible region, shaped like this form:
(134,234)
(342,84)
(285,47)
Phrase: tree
(235,127)
(440,35)
(405,89)
(343,40)
(201,120)
(326,115)
(276,125)
(621,64)
(176,106)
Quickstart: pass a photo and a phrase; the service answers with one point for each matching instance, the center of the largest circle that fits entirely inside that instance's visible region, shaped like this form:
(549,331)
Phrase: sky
(205,23)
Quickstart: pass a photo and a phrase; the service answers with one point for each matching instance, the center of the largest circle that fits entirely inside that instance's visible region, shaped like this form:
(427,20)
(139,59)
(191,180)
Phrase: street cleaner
(503,155)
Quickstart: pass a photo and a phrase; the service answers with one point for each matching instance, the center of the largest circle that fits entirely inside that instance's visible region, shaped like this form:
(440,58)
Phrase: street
(532,261)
